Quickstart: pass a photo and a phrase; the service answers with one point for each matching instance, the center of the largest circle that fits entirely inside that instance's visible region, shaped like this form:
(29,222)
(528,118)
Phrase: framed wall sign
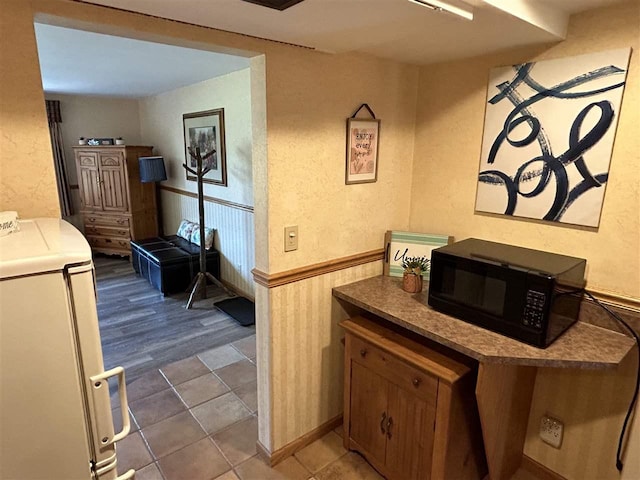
(400,245)
(206,131)
(363,139)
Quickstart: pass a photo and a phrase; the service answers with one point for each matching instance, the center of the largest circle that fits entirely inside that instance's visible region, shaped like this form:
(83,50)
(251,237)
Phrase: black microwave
(526,294)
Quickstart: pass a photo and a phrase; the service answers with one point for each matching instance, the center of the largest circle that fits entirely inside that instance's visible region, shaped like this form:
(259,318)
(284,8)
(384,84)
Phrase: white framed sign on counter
(400,245)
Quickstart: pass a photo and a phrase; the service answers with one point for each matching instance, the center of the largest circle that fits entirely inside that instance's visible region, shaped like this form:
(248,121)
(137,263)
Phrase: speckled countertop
(582,346)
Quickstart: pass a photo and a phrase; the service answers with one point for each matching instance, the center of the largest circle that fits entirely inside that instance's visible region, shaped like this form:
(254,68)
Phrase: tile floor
(196,419)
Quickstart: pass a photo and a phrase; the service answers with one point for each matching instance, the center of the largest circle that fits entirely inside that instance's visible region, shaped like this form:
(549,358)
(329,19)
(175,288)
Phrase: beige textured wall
(259,160)
(27,178)
(448,141)
(309,97)
(162,126)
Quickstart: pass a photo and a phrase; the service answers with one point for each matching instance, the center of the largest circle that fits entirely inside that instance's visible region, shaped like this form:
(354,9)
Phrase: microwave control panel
(534,309)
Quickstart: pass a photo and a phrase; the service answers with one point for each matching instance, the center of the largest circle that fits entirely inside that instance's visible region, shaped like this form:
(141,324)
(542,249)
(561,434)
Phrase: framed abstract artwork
(548,136)
(205,130)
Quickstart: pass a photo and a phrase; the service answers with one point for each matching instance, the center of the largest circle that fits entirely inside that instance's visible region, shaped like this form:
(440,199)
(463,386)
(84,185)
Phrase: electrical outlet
(551,431)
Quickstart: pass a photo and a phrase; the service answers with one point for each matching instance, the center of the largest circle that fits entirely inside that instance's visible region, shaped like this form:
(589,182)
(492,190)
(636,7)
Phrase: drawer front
(108,243)
(99,230)
(396,371)
(106,221)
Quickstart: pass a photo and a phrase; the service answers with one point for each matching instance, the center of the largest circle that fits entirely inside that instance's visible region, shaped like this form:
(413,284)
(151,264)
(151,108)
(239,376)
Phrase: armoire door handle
(384,417)
(389,425)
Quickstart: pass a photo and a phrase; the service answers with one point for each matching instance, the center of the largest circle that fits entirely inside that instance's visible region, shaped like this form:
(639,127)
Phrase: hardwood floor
(142,330)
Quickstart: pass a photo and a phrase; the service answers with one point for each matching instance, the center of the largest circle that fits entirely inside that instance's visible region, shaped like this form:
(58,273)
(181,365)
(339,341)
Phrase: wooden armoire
(115,205)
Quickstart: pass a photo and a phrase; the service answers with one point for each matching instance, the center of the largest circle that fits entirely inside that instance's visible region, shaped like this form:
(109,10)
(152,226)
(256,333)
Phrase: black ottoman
(170,263)
(212,255)
(170,270)
(139,249)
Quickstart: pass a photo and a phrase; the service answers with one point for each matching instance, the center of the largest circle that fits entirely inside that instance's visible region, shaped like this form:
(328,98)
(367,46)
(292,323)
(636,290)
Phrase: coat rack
(199,282)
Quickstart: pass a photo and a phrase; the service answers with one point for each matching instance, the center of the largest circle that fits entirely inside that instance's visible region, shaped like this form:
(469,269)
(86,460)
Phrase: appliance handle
(126,476)
(96,381)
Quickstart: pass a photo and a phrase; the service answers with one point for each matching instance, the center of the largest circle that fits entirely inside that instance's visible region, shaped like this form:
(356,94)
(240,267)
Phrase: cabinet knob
(384,417)
(363,352)
(416,382)
(389,425)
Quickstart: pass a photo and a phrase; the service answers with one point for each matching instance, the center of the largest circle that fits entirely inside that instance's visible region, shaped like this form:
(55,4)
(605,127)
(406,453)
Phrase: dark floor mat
(241,309)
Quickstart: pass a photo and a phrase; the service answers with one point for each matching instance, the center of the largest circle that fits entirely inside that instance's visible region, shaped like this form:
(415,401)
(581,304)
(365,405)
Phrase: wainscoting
(235,234)
(305,355)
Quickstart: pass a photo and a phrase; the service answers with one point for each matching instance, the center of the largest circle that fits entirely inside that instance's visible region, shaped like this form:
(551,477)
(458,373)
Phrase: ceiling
(122,67)
(393,29)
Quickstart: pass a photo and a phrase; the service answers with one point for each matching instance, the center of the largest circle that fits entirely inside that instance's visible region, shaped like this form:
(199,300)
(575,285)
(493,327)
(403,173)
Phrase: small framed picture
(205,130)
(363,139)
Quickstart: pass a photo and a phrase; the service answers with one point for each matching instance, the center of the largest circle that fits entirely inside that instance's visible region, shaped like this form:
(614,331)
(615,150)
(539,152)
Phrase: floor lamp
(200,280)
(152,170)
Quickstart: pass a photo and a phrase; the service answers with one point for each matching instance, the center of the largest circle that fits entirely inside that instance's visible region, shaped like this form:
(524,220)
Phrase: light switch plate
(290,238)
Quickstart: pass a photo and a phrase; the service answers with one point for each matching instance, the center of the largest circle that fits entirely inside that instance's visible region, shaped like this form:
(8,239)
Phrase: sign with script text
(401,245)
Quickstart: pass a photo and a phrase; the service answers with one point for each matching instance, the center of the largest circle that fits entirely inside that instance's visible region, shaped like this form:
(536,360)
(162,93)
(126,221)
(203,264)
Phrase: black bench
(170,263)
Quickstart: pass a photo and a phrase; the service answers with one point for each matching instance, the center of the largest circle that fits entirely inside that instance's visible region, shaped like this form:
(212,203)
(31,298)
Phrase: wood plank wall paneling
(306,353)
(234,236)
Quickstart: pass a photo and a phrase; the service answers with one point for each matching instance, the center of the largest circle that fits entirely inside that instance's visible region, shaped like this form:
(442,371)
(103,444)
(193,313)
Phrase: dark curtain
(55,119)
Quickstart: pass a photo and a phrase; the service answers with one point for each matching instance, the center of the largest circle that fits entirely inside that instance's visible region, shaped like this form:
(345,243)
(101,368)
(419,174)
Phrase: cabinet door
(89,181)
(113,181)
(368,410)
(410,432)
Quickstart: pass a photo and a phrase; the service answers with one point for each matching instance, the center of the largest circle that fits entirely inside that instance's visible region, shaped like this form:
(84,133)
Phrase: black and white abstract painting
(548,136)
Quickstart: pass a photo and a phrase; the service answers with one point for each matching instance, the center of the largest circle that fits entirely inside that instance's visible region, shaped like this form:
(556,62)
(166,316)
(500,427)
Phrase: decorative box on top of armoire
(115,205)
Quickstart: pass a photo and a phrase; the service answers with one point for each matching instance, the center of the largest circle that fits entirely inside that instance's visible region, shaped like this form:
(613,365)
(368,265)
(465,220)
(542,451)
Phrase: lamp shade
(152,169)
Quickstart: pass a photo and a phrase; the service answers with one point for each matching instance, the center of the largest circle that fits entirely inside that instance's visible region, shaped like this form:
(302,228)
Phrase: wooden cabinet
(408,409)
(115,205)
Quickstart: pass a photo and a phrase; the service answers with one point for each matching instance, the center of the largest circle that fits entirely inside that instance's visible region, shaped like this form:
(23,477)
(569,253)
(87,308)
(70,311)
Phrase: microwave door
(491,292)
(482,286)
